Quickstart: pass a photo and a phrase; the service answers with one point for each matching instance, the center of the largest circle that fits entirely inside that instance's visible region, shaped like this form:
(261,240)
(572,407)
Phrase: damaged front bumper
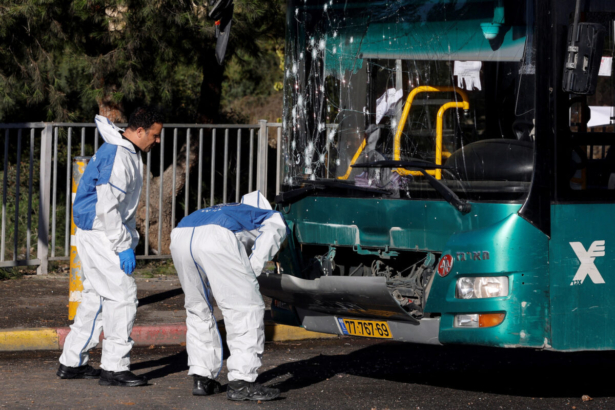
(321,301)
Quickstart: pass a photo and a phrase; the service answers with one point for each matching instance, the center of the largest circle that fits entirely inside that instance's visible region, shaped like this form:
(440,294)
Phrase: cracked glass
(441,82)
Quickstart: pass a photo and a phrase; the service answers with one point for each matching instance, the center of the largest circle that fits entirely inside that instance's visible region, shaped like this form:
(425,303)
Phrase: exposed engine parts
(410,290)
(407,274)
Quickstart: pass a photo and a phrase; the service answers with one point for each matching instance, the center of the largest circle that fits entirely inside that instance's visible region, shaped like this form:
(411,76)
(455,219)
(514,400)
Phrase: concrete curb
(168,334)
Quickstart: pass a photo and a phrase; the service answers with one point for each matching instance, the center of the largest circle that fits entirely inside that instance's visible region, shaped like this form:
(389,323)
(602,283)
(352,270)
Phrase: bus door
(582,246)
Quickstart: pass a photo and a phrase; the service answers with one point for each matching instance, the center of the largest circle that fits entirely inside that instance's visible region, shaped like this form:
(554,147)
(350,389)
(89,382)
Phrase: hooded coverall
(221,250)
(104,212)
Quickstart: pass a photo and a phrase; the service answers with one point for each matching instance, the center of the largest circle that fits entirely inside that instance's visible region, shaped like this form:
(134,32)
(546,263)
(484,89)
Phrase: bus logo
(587,258)
(445,265)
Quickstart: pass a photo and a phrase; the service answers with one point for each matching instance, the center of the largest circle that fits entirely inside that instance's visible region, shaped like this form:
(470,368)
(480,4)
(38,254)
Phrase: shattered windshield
(444,82)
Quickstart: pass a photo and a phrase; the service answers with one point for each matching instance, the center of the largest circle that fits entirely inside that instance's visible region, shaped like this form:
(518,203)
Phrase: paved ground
(340,373)
(34,301)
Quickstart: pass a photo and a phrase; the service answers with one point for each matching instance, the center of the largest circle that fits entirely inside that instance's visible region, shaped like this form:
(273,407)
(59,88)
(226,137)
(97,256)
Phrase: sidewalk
(37,301)
(34,314)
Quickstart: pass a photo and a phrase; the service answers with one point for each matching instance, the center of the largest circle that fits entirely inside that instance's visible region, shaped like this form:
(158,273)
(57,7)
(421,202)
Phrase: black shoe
(239,390)
(124,379)
(204,386)
(82,372)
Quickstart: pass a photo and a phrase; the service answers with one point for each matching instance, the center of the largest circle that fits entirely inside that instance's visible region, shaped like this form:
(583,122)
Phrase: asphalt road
(345,373)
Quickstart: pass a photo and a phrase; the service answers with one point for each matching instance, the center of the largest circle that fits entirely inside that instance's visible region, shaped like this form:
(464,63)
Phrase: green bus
(447,172)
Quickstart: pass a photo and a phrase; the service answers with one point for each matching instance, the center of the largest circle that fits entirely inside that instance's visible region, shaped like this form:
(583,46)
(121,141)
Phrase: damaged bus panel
(439,182)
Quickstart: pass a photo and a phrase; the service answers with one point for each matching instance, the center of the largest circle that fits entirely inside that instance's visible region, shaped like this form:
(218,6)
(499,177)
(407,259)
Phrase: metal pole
(261,164)
(238,170)
(4,193)
(225,172)
(200,177)
(17,182)
(149,157)
(55,193)
(399,81)
(187,185)
(251,157)
(213,167)
(174,178)
(68,173)
(30,185)
(82,142)
(75,284)
(160,192)
(95,140)
(44,199)
(277,161)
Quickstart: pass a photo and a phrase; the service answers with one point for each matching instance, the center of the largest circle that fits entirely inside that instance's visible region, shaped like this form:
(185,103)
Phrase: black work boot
(239,390)
(82,372)
(204,386)
(124,379)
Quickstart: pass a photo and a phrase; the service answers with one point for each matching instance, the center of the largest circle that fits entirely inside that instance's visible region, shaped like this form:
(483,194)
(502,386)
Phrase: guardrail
(56,143)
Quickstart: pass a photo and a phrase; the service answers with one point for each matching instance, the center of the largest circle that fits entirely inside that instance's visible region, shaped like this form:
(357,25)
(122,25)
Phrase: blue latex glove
(128,261)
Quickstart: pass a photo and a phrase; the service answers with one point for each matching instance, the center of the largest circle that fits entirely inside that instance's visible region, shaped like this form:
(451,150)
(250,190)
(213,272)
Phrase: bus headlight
(481,287)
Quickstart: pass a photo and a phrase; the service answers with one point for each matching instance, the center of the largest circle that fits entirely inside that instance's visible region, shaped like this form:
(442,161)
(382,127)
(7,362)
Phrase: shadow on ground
(517,372)
(159,297)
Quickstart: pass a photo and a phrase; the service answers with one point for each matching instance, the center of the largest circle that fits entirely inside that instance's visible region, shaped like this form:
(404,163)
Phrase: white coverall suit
(104,212)
(222,250)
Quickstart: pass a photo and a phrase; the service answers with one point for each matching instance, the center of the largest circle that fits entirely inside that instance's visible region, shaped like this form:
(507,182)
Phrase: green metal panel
(515,249)
(582,310)
(399,224)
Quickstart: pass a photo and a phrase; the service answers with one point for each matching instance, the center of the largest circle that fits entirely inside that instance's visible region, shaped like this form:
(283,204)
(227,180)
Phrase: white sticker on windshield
(385,103)
(606,65)
(468,74)
(600,116)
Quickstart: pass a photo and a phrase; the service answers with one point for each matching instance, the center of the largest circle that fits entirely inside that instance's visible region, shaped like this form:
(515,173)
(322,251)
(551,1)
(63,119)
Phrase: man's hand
(128,261)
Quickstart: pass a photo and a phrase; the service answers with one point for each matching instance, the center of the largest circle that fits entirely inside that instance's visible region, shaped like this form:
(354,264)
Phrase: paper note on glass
(468,74)
(606,65)
(600,116)
(386,102)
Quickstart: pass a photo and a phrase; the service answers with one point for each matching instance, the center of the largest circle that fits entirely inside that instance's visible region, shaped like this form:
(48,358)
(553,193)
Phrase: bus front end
(408,152)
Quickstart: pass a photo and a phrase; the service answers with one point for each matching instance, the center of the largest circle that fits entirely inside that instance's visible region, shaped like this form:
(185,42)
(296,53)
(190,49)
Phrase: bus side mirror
(583,58)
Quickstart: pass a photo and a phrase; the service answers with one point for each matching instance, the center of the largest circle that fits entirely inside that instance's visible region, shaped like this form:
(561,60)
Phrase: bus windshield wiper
(311,186)
(422,166)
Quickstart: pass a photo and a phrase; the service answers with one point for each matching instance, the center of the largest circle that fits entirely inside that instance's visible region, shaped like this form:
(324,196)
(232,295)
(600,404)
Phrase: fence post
(278,158)
(261,157)
(44,199)
(75,284)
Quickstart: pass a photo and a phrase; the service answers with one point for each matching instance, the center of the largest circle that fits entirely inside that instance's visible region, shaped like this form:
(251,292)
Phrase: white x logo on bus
(587,258)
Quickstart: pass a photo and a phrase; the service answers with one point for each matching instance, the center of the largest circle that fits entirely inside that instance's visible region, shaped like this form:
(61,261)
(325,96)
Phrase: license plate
(365,328)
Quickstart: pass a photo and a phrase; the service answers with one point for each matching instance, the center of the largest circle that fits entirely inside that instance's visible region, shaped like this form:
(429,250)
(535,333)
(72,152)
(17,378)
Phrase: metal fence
(236,165)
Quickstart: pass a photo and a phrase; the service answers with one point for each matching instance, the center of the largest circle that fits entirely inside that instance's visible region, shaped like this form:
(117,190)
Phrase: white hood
(111,132)
(256,199)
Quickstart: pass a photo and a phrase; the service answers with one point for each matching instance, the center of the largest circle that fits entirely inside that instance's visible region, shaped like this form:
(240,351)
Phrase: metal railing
(59,142)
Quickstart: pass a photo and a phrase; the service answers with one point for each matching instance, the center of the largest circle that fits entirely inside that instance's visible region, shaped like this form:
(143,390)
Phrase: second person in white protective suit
(104,212)
(220,251)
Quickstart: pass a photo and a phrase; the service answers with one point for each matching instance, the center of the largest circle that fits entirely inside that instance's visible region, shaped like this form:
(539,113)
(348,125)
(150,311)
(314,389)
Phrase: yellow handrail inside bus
(439,124)
(404,117)
(356,156)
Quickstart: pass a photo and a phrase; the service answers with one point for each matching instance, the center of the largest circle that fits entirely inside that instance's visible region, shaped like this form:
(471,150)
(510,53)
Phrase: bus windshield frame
(450,83)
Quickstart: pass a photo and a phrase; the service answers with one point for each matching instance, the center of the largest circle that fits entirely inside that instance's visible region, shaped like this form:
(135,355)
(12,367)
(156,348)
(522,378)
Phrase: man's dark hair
(144,117)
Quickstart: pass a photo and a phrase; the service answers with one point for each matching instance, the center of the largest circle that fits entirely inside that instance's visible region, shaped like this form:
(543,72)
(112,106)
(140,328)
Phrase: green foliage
(64,60)
(11,273)
(253,75)
(153,268)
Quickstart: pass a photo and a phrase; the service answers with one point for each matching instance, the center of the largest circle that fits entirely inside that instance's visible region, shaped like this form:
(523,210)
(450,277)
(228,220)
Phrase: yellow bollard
(75,286)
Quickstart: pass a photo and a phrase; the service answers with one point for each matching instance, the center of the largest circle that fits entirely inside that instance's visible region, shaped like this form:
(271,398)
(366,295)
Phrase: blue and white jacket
(260,229)
(109,190)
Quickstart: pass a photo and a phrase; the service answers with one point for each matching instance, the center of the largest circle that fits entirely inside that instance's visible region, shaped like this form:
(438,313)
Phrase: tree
(66,60)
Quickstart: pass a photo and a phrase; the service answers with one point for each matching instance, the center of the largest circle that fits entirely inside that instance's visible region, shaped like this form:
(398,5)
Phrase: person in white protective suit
(104,212)
(220,251)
